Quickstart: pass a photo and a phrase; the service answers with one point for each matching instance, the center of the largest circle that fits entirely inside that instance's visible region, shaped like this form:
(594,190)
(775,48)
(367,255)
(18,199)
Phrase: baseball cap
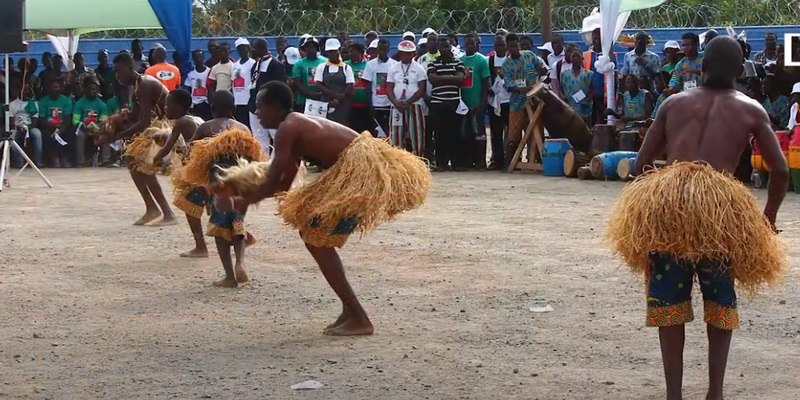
(671,44)
(292,55)
(422,41)
(332,44)
(407,46)
(242,42)
(501,31)
(409,34)
(796,88)
(374,44)
(309,39)
(428,31)
(547,46)
(157,46)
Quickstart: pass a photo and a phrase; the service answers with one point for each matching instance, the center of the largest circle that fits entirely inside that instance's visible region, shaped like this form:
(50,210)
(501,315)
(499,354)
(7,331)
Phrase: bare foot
(166,221)
(250,240)
(196,253)
(352,327)
(241,275)
(226,283)
(147,217)
(344,316)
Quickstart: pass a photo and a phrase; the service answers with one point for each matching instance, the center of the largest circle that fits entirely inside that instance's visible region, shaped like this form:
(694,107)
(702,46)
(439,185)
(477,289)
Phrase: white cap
(157,46)
(242,42)
(303,37)
(796,88)
(407,34)
(309,39)
(374,44)
(547,46)
(428,31)
(292,55)
(501,31)
(332,44)
(422,41)
(672,44)
(407,46)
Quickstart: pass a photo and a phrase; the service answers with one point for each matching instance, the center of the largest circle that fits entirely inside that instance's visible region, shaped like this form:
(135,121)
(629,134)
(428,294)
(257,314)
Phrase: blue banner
(175,17)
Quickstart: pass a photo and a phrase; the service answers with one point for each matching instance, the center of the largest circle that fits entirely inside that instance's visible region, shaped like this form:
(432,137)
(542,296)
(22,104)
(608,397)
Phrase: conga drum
(604,166)
(630,141)
(794,159)
(574,160)
(603,139)
(626,168)
(560,120)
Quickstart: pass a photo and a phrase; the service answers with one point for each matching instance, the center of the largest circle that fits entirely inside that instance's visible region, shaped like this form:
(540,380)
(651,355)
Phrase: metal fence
(519,19)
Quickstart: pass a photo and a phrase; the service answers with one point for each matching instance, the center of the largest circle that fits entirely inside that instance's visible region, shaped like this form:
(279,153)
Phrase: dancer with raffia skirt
(217,144)
(692,218)
(367,182)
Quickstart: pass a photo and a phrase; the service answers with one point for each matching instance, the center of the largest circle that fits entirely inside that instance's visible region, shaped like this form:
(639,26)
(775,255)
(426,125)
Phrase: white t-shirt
(197,83)
(377,72)
(242,80)
(552,60)
(499,87)
(349,77)
(19,114)
(406,79)
(223,75)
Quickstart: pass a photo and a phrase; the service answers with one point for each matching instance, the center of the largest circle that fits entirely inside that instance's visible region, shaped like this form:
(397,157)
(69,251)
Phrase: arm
(676,81)
(773,155)
(422,87)
(654,140)
(350,81)
(179,127)
(66,123)
(145,117)
(390,94)
(648,106)
(283,168)
(212,85)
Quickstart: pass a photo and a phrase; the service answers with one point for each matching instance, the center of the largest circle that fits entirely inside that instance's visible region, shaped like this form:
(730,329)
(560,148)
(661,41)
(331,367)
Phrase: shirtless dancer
(194,201)
(712,123)
(149,98)
(223,107)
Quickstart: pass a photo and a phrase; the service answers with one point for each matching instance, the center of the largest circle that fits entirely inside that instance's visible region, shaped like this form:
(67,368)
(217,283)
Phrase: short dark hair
(223,104)
(77,54)
(512,37)
(276,92)
(182,98)
(90,80)
(123,59)
(473,36)
(358,46)
(195,51)
(722,59)
(383,41)
(526,38)
(691,36)
(771,34)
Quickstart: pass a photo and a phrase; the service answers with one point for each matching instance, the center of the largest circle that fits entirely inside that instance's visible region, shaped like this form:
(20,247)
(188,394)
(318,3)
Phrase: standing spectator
(776,104)
(520,72)
(687,73)
(446,74)
(406,85)
(24,118)
(370,37)
(372,50)
(265,69)
(640,61)
(221,75)
(140,61)
(475,94)
(56,74)
(165,72)
(410,36)
(422,47)
(557,43)
(87,111)
(454,46)
(598,80)
(177,61)
(637,104)
(335,82)
(47,63)
(55,119)
(375,74)
(242,82)
(545,50)
(78,76)
(577,87)
(671,50)
(359,112)
(304,71)
(281,45)
(197,84)
(213,51)
(770,52)
(432,41)
(526,43)
(498,101)
(105,74)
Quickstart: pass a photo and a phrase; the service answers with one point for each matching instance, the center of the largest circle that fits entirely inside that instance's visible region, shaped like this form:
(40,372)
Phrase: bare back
(150,97)
(304,137)
(708,125)
(216,126)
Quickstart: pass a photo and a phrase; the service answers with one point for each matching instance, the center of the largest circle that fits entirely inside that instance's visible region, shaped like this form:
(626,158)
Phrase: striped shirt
(445,93)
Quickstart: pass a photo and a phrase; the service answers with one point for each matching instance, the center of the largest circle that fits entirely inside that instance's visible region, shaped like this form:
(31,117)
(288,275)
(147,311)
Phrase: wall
(90,47)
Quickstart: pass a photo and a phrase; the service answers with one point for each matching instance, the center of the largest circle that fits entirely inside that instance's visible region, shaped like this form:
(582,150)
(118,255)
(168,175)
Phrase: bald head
(222,104)
(722,60)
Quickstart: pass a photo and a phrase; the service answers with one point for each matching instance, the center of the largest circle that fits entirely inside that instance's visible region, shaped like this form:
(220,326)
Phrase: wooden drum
(604,139)
(574,160)
(630,141)
(560,120)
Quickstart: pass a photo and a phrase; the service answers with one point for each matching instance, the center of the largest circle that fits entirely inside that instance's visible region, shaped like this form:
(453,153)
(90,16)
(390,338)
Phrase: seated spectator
(55,122)
(105,74)
(24,118)
(661,85)
(577,88)
(637,104)
(775,102)
(55,74)
(197,84)
(89,110)
(167,73)
(120,101)
(78,76)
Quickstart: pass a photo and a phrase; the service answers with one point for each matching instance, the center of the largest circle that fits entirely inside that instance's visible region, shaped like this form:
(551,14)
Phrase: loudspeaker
(12,24)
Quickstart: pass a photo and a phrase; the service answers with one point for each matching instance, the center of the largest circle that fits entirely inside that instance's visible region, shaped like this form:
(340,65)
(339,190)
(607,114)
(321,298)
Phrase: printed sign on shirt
(397,118)
(380,89)
(689,85)
(316,108)
(467,82)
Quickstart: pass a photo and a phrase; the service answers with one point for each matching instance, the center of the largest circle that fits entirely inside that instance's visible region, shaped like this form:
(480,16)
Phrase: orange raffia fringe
(694,212)
(233,142)
(139,149)
(246,177)
(372,181)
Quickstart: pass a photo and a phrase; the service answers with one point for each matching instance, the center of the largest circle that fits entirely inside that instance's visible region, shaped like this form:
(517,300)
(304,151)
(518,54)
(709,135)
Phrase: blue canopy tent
(65,20)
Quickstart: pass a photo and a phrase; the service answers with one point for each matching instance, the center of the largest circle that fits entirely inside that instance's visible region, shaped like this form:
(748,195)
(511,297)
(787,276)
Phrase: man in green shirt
(303,74)
(475,94)
(359,113)
(114,104)
(55,123)
(89,110)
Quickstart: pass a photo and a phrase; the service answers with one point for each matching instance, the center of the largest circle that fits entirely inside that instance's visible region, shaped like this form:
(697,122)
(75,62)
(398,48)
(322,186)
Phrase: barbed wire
(395,20)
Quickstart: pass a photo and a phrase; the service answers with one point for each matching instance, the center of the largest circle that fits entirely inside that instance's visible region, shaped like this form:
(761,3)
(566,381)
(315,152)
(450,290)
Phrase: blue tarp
(175,17)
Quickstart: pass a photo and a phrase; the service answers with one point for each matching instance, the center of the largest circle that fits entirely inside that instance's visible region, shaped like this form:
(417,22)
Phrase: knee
(36,134)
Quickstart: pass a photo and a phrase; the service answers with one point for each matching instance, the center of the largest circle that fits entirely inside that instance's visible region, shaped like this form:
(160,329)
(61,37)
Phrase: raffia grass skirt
(138,149)
(696,213)
(196,171)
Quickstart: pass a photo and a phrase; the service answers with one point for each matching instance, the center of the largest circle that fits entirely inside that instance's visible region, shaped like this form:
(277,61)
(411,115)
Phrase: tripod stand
(8,143)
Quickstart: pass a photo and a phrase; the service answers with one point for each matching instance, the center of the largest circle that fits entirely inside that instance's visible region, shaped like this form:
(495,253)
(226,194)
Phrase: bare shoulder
(296,122)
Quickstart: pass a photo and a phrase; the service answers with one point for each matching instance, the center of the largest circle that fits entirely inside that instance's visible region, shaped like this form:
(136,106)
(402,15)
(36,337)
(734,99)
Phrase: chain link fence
(395,20)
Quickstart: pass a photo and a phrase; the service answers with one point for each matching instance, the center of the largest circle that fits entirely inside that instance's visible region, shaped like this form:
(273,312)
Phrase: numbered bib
(689,85)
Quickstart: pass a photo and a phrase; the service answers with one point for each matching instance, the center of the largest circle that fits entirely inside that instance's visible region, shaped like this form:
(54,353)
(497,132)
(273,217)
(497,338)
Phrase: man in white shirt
(242,81)
(375,74)
(24,117)
(406,87)
(499,98)
(221,75)
(556,55)
(197,84)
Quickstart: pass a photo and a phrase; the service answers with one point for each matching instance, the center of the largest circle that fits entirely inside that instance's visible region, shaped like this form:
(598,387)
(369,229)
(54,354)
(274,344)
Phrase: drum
(585,174)
(626,168)
(560,120)
(758,162)
(604,166)
(794,159)
(574,160)
(553,153)
(630,141)
(603,139)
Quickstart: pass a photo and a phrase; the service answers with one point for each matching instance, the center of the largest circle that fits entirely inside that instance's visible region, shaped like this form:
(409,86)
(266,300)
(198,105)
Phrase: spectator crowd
(431,94)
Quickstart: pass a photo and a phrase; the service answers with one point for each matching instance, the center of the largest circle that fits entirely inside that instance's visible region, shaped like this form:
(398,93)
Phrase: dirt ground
(93,307)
